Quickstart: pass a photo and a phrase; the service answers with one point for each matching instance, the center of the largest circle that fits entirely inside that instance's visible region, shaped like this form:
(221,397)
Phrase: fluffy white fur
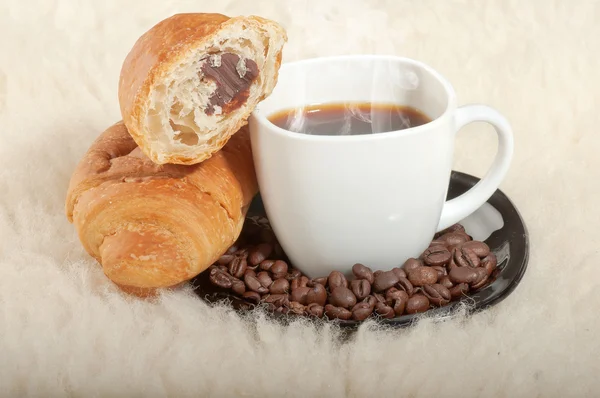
(175,119)
(66,331)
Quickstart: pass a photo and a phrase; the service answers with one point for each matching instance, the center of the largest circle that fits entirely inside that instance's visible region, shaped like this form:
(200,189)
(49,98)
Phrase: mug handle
(462,206)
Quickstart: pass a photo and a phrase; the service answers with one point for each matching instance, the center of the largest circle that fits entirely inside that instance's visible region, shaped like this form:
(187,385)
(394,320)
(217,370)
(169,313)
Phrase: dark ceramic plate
(498,223)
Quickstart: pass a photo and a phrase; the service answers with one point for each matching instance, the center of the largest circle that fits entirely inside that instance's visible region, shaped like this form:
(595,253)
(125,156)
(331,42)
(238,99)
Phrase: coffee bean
(450,229)
(260,253)
(336,279)
(225,259)
(264,278)
(253,297)
(412,263)
(388,299)
(465,257)
(281,310)
(463,275)
(361,288)
(315,281)
(277,300)
(223,268)
(321,281)
(300,294)
(279,286)
(362,272)
(459,290)
(489,263)
(400,301)
(481,249)
(404,284)
(279,269)
(361,311)
(317,294)
(238,287)
(299,282)
(452,263)
(266,265)
(438,242)
(254,284)
(437,294)
(293,274)
(385,310)
(481,280)
(295,307)
(436,255)
(371,300)
(393,294)
(440,270)
(213,266)
(342,297)
(481,284)
(481,274)
(456,228)
(446,282)
(220,278)
(262,290)
(417,303)
(400,273)
(237,267)
(334,312)
(314,309)
(422,276)
(379,298)
(242,253)
(455,239)
(385,280)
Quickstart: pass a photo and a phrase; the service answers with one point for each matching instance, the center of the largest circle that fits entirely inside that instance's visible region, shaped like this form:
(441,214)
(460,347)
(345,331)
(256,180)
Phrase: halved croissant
(154,226)
(192,80)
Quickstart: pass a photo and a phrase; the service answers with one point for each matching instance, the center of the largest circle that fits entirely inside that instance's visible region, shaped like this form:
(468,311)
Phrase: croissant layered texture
(153,226)
(192,80)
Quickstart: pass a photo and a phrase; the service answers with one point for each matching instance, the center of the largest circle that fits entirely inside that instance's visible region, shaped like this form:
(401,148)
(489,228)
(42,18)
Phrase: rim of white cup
(263,119)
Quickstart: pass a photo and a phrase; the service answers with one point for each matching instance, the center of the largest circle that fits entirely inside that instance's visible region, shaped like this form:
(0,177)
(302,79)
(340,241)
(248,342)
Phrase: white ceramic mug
(375,199)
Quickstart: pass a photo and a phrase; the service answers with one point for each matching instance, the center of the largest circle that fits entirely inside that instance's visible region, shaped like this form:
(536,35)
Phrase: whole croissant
(153,226)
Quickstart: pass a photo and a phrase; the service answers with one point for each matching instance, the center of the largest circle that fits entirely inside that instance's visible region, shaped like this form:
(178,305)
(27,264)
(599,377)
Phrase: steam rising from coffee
(387,110)
(380,120)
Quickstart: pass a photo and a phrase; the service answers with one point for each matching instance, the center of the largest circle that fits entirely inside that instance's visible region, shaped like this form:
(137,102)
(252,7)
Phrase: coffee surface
(348,118)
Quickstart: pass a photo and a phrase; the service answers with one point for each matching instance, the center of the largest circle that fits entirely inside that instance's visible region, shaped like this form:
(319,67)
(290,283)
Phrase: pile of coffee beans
(452,266)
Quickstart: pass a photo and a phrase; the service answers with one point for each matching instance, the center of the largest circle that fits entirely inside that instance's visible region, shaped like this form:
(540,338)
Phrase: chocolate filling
(232,90)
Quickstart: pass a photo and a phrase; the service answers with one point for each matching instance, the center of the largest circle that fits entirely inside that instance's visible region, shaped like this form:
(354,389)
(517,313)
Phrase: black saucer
(498,223)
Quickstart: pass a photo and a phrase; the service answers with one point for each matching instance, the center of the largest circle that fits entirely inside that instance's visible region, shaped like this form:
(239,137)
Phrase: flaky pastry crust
(154,226)
(152,57)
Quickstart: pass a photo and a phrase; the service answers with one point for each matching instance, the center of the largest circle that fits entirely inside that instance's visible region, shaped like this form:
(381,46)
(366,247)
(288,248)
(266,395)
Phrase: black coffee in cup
(348,118)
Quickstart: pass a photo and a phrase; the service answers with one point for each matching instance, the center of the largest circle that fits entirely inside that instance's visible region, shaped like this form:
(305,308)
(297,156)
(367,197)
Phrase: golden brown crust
(153,54)
(153,226)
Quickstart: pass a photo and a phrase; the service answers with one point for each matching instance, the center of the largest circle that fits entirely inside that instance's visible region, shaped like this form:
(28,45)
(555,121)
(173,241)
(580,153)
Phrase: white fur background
(65,331)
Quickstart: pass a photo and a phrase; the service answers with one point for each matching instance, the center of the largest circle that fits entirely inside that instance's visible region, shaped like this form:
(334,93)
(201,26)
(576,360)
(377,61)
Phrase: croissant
(155,226)
(191,81)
